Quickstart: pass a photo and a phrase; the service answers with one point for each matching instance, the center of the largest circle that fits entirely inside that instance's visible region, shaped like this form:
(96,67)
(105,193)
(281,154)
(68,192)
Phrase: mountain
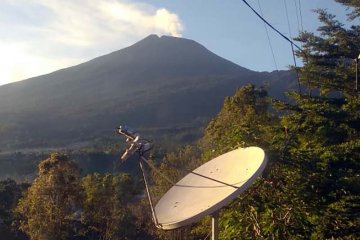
(164,86)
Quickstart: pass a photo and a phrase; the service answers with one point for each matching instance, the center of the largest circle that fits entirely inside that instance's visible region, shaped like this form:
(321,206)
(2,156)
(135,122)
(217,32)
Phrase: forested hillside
(309,190)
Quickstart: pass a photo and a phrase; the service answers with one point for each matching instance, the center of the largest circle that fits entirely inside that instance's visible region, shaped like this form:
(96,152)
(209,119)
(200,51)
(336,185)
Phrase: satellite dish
(209,187)
(203,191)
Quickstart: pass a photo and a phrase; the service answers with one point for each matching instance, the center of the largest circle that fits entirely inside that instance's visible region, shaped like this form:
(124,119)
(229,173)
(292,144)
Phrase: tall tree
(272,207)
(106,214)
(243,118)
(48,209)
(326,123)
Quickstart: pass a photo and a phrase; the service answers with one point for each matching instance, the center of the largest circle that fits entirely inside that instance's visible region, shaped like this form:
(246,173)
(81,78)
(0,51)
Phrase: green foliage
(105,213)
(327,125)
(272,208)
(10,192)
(48,207)
(174,166)
(61,205)
(243,118)
(355,4)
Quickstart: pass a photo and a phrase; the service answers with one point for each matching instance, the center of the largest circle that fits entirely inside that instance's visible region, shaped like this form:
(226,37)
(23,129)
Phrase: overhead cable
(267,34)
(271,26)
(292,45)
(286,38)
(287,18)
(297,15)
(301,19)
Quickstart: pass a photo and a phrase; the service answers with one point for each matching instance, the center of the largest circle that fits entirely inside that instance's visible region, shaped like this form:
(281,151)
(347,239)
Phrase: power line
(287,18)
(292,46)
(297,15)
(286,38)
(271,26)
(269,41)
(288,140)
(301,19)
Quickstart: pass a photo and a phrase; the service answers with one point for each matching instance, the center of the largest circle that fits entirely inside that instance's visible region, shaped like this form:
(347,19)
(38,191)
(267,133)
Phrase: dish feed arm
(136,144)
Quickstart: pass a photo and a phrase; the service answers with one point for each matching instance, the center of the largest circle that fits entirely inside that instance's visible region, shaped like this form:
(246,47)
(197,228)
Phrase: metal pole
(148,192)
(215,226)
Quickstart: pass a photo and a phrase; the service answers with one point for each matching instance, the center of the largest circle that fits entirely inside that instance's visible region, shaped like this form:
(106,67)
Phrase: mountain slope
(157,83)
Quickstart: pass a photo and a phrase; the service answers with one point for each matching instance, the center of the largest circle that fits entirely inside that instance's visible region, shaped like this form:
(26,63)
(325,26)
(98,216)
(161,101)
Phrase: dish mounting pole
(215,226)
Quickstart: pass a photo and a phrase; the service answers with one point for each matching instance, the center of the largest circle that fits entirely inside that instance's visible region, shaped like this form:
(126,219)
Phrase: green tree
(10,192)
(106,214)
(244,120)
(310,189)
(272,208)
(269,209)
(354,4)
(173,167)
(327,122)
(48,209)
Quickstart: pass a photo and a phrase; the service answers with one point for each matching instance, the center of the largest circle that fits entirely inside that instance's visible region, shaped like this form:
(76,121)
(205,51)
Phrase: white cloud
(168,21)
(40,36)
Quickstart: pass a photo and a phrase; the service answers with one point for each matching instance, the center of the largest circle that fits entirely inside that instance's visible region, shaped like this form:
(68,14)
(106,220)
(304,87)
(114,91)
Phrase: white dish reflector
(209,187)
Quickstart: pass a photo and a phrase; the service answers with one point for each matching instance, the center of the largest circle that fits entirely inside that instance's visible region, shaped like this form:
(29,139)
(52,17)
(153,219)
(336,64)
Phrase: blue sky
(41,36)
